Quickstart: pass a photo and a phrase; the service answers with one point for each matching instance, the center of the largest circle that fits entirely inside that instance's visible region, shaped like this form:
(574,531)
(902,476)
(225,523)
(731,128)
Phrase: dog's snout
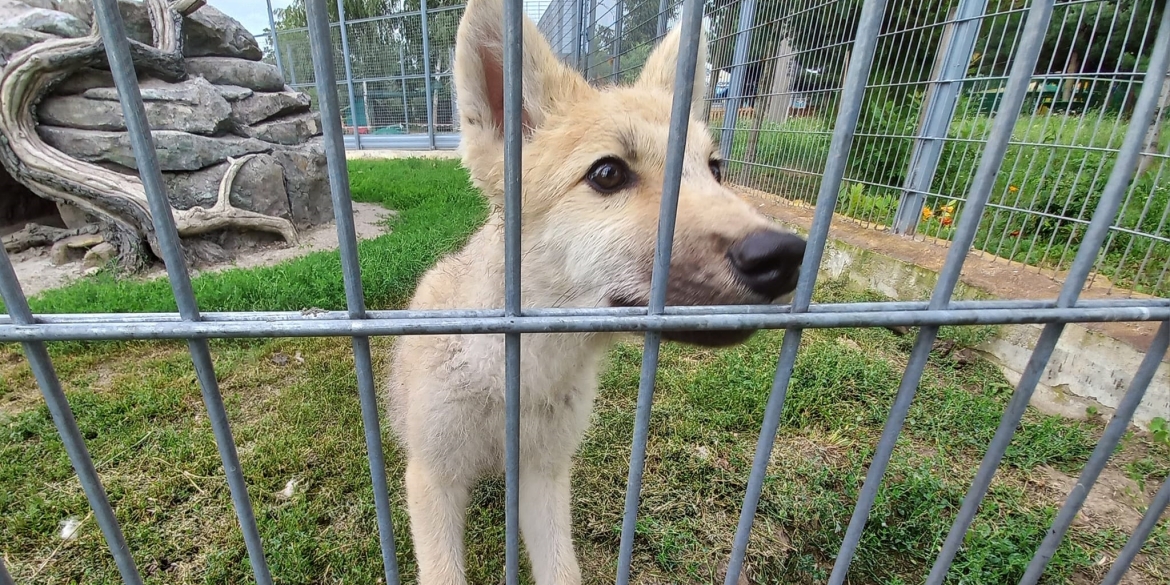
(768,261)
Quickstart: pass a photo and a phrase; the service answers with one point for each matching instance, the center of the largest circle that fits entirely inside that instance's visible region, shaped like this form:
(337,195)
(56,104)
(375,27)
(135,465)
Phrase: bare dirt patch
(37,274)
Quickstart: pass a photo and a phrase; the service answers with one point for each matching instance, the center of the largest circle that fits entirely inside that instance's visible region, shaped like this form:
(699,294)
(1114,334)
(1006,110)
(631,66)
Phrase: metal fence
(861,38)
(776,75)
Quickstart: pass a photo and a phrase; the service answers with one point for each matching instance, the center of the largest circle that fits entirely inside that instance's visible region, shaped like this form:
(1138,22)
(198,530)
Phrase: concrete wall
(1088,368)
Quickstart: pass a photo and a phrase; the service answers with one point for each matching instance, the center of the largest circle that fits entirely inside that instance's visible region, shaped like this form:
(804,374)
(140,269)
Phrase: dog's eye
(717,169)
(608,175)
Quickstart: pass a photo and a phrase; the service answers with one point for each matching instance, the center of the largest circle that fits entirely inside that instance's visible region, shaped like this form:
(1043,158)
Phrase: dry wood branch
(35,235)
(200,220)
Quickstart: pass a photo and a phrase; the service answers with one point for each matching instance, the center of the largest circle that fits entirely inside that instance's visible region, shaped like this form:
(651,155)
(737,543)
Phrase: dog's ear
(660,69)
(479,72)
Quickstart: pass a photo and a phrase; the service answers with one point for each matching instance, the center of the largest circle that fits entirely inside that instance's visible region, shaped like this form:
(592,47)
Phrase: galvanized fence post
(292,65)
(357,135)
(1099,227)
(937,111)
(5,578)
(578,26)
(429,91)
(117,46)
(405,100)
(680,115)
(590,36)
(616,49)
(272,37)
(852,94)
(743,39)
(660,30)
(326,80)
(513,189)
(58,406)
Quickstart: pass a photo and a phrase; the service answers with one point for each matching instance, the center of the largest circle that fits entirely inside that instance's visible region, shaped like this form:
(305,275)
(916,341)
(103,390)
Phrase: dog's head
(593,168)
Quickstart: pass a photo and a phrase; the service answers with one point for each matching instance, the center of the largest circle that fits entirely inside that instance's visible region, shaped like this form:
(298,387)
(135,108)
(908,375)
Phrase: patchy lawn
(297,423)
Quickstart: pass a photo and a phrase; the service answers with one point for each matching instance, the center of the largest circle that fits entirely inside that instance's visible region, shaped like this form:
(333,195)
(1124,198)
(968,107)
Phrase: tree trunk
(117,200)
(1154,134)
(760,107)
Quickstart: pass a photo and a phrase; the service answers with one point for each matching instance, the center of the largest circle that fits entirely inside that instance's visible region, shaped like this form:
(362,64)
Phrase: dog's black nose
(768,262)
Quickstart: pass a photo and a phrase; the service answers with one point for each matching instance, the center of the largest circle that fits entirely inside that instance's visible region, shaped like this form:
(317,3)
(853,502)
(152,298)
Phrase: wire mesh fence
(834,103)
(938,79)
(775,76)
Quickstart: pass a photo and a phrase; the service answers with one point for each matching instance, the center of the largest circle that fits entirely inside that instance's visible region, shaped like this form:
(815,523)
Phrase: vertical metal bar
(5,578)
(1118,425)
(661,29)
(989,166)
(616,50)
(578,17)
(939,110)
(426,41)
(864,45)
(513,167)
(680,116)
(590,37)
(1134,545)
(58,405)
(275,45)
(1111,197)
(405,102)
(366,105)
(292,65)
(739,59)
(113,31)
(319,44)
(357,135)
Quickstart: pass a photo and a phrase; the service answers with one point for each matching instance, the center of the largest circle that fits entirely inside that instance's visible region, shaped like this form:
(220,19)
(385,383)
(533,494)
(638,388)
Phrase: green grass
(296,416)
(1055,165)
(437,210)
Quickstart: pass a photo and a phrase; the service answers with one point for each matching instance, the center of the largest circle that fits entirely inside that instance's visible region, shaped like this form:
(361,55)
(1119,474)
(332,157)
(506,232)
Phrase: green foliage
(1160,430)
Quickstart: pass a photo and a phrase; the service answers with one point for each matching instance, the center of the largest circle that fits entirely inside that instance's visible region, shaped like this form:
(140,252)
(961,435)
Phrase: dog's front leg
(547,526)
(438,512)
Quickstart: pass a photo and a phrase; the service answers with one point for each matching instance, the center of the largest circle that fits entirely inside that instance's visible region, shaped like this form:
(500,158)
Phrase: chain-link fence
(775,74)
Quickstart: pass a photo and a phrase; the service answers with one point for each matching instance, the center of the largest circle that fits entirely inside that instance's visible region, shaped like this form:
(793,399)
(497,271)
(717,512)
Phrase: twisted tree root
(117,200)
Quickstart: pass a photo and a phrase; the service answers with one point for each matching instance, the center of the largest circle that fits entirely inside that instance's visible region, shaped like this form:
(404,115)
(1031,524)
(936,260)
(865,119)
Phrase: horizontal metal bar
(313,315)
(568,324)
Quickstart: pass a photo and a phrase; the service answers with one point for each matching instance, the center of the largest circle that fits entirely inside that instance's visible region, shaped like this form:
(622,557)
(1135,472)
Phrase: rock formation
(240,151)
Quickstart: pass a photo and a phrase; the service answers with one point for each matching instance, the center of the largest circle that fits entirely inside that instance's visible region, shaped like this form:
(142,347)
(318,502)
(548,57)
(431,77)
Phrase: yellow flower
(927,213)
(948,209)
(1013,188)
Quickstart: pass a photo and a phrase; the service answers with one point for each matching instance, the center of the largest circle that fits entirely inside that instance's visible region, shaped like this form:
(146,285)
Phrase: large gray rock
(261,106)
(82,9)
(306,181)
(234,93)
(192,106)
(137,19)
(19,14)
(14,39)
(258,186)
(177,151)
(208,32)
(254,75)
(85,80)
(289,131)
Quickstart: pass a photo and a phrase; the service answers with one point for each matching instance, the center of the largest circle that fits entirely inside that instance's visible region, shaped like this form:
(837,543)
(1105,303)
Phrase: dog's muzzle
(768,262)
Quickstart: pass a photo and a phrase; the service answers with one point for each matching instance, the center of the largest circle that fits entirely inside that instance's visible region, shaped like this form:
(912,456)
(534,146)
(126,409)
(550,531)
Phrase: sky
(253,14)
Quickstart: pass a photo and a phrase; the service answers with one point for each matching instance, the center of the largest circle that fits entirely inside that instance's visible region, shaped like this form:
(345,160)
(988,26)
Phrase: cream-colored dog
(593,166)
